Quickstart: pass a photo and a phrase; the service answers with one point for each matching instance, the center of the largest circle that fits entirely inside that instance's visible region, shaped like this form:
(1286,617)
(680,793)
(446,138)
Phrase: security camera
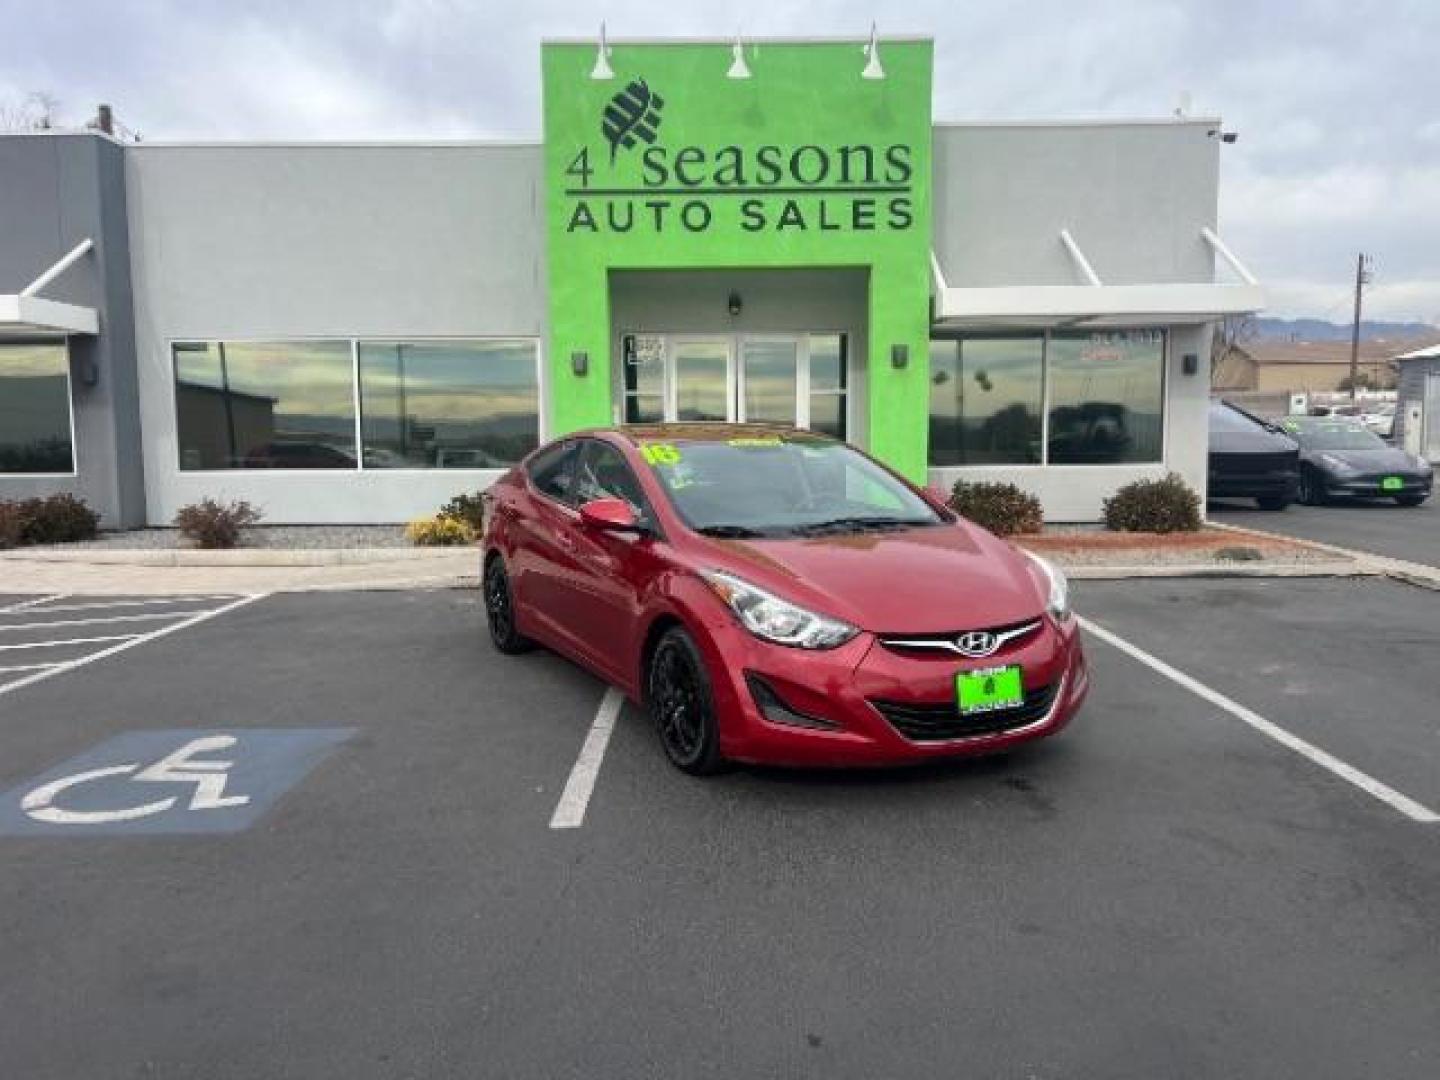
(1223,136)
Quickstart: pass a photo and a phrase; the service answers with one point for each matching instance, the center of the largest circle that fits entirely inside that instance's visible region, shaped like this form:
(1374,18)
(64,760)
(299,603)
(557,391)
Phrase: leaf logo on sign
(633,113)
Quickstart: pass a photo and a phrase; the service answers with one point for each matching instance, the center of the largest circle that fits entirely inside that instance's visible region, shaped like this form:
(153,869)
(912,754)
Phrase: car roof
(714,431)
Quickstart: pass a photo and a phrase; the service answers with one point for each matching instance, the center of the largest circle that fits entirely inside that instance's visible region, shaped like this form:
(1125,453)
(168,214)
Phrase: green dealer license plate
(989,689)
(1392,483)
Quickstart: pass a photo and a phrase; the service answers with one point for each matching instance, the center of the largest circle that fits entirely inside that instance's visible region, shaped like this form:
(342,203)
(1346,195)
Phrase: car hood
(933,579)
(1385,459)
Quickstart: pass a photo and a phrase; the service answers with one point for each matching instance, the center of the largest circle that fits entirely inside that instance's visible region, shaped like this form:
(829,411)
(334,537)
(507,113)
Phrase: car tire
(1273,502)
(1410,500)
(500,610)
(1312,488)
(682,706)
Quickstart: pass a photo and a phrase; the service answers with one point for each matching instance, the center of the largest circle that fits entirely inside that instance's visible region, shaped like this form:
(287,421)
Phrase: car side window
(552,471)
(604,474)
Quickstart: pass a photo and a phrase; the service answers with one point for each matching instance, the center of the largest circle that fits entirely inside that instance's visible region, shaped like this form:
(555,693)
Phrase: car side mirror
(610,515)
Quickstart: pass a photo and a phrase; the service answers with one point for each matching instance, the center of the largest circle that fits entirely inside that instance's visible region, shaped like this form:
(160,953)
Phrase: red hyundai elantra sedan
(773,595)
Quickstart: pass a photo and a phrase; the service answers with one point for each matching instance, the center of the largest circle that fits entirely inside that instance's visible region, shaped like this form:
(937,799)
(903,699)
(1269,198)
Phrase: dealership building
(776,231)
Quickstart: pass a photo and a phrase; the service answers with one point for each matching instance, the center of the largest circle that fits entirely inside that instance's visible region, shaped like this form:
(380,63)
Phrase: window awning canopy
(1093,304)
(25,315)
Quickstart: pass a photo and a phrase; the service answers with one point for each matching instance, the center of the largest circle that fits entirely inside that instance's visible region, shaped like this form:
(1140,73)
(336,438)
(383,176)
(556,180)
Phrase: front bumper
(1372,487)
(829,698)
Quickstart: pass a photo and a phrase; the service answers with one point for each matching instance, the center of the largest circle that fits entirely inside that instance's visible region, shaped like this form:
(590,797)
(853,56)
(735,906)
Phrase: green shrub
(439,531)
(211,524)
(467,508)
(56,519)
(1002,508)
(1160,506)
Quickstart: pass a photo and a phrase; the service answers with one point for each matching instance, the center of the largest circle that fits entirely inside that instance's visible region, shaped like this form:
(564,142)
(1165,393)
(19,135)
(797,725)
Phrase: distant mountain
(1320,330)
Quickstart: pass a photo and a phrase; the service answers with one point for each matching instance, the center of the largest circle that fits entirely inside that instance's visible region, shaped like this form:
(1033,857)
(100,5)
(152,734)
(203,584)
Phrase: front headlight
(1340,465)
(767,616)
(1058,602)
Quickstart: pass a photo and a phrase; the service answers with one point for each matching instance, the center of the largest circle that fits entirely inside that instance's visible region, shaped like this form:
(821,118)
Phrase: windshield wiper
(860,524)
(729,532)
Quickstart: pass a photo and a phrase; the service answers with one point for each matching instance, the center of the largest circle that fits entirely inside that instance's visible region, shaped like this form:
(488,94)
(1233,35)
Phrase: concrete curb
(1410,573)
(1227,570)
(234,556)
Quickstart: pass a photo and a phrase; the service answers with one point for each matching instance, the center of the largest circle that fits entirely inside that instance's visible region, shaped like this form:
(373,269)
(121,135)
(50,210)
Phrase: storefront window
(448,404)
(1107,397)
(986,399)
(35,409)
(827,384)
(271,405)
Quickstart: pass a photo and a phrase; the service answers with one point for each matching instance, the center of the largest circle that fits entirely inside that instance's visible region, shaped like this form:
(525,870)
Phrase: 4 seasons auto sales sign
(670,165)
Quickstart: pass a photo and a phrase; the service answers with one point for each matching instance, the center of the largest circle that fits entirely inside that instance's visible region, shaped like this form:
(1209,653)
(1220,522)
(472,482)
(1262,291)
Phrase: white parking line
(134,640)
(10,609)
(128,603)
(68,641)
(147,616)
(1364,781)
(31,667)
(570,811)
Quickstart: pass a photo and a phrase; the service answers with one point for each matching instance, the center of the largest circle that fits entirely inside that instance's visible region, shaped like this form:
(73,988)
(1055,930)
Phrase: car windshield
(1334,435)
(774,485)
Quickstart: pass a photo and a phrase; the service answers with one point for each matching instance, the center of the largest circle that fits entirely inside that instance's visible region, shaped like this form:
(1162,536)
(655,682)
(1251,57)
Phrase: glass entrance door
(769,376)
(702,379)
(795,379)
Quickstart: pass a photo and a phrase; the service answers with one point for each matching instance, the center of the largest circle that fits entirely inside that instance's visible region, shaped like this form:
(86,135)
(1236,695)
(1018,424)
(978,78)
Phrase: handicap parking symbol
(159,782)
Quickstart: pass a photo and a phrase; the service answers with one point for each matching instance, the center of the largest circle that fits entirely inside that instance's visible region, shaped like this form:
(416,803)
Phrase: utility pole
(1362,278)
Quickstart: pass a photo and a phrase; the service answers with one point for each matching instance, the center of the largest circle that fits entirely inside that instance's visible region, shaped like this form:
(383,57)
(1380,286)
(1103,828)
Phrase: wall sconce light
(580,362)
(873,70)
(899,356)
(602,69)
(738,68)
(1190,363)
(734,304)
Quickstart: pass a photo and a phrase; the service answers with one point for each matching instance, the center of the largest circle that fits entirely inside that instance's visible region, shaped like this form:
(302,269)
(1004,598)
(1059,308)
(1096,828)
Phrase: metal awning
(24,314)
(1093,304)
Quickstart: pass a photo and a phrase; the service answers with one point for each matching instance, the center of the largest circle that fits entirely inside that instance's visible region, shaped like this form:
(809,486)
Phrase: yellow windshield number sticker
(660,454)
(757,440)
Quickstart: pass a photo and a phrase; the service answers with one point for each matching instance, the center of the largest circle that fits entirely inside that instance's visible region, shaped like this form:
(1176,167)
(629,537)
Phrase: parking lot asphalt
(1378,527)
(1161,891)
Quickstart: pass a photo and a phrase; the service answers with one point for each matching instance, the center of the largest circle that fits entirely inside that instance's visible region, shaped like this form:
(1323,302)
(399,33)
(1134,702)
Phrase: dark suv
(1251,459)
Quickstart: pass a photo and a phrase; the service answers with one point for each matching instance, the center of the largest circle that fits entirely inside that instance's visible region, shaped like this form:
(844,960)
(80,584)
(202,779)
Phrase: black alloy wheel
(500,609)
(681,705)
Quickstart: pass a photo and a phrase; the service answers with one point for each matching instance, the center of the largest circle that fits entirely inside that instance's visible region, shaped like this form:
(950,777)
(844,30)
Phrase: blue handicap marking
(159,782)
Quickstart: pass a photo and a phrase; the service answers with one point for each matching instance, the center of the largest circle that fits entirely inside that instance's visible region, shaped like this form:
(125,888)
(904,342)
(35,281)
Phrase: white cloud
(1339,147)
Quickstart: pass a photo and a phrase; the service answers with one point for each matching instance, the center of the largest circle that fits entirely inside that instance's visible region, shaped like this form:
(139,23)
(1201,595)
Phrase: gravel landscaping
(287,537)
(1208,547)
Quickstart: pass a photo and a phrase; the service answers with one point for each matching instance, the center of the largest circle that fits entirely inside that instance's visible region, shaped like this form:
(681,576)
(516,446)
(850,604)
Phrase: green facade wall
(671,165)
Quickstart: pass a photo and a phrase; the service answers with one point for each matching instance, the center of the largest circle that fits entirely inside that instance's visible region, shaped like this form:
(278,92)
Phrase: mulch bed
(1208,546)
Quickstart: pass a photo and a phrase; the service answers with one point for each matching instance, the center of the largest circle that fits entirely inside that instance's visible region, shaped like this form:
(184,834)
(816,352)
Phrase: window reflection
(770,380)
(702,380)
(448,405)
(827,384)
(985,401)
(1106,397)
(265,405)
(35,432)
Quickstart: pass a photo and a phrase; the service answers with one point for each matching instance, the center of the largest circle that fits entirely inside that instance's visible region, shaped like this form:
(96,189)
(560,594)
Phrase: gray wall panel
(277,242)
(1134,197)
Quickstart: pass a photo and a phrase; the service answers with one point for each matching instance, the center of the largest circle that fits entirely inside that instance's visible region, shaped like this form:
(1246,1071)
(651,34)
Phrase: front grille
(937,723)
(1009,636)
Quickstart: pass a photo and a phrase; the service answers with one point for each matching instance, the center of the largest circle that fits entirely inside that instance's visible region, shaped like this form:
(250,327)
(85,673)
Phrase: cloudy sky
(1334,100)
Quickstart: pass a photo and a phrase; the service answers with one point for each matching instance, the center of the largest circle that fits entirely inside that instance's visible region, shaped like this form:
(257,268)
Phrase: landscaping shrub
(1002,508)
(1161,506)
(439,531)
(467,508)
(212,524)
(56,519)
(12,523)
